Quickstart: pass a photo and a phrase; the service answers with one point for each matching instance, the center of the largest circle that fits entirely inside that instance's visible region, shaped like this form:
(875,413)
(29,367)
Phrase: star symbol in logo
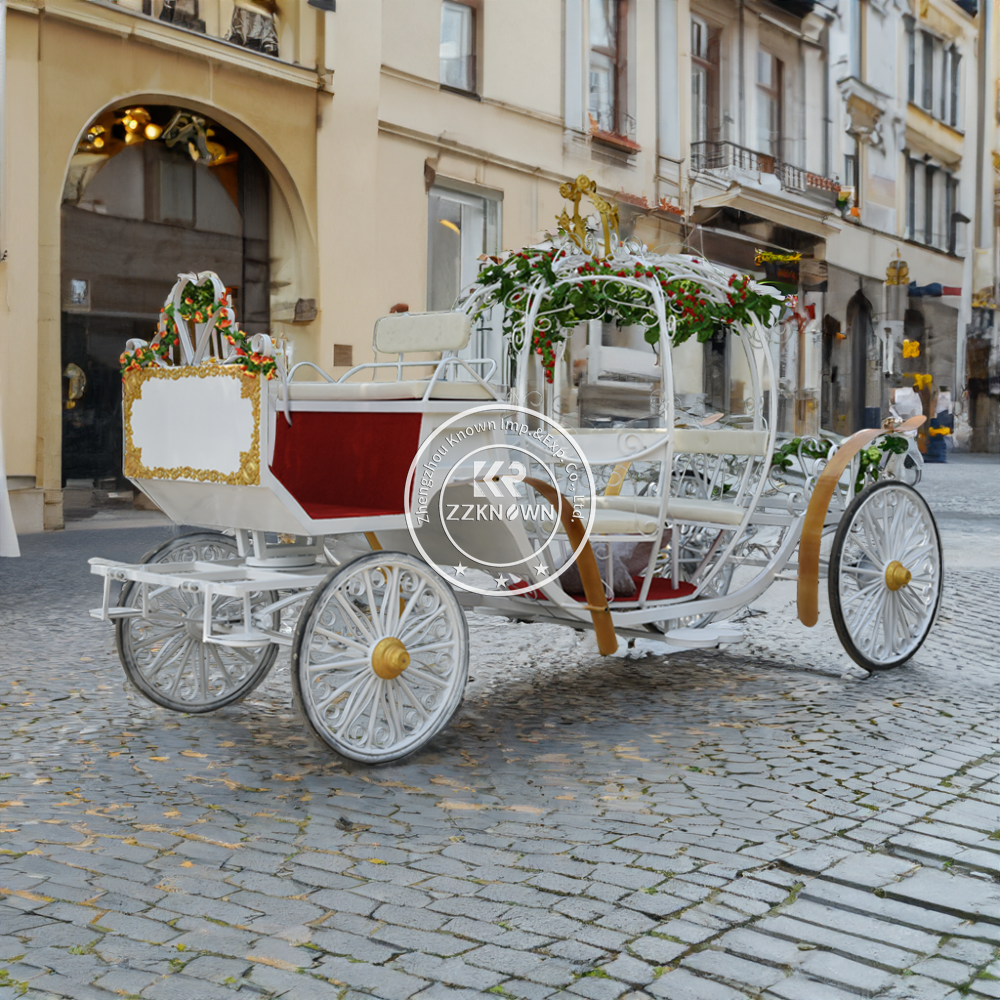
(460,570)
(501,581)
(541,569)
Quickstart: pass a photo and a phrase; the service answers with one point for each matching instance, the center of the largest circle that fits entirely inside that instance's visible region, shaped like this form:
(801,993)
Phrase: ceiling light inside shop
(450,225)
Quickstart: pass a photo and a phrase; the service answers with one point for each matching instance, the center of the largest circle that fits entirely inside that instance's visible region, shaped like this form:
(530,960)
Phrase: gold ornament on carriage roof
(576,227)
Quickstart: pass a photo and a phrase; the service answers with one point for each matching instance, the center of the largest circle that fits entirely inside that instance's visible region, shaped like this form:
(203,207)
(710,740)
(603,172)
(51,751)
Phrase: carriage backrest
(409,333)
(724,441)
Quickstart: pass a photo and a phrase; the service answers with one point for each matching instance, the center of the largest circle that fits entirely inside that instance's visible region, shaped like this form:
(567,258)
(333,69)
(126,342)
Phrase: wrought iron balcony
(724,155)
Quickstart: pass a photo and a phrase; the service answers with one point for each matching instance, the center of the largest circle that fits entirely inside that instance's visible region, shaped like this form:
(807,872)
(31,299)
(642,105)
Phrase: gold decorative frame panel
(248,473)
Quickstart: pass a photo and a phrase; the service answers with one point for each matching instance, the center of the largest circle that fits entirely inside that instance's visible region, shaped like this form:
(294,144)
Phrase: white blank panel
(200,423)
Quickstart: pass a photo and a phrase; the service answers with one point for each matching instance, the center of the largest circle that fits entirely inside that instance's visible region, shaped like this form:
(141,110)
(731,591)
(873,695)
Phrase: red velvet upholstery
(659,590)
(351,464)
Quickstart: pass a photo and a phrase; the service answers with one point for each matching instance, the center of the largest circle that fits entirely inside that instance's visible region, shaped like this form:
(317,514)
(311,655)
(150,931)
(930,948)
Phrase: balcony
(282,30)
(729,159)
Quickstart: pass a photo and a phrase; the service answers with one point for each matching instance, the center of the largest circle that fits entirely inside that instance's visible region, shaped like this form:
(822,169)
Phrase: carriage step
(703,638)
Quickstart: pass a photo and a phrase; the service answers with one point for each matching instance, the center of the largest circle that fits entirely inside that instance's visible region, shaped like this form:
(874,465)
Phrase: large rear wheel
(886,575)
(380,657)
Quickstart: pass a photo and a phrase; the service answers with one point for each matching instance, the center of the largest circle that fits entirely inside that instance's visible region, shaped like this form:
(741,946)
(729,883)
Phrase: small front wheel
(163,654)
(886,573)
(380,657)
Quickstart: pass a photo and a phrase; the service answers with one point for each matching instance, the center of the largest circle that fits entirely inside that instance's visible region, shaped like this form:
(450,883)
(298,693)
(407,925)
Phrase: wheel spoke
(410,605)
(372,603)
(438,682)
(341,638)
(353,618)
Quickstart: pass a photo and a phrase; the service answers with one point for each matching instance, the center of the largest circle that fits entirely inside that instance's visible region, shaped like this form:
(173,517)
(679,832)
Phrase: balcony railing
(723,155)
(250,28)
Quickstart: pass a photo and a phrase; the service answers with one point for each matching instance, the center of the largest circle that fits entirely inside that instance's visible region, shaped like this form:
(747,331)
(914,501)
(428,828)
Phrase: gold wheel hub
(897,575)
(390,658)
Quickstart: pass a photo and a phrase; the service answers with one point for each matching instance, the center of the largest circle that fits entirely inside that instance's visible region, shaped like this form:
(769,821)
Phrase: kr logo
(490,480)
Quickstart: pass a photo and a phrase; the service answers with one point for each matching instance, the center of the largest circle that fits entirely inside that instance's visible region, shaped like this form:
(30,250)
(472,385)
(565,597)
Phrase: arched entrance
(151,191)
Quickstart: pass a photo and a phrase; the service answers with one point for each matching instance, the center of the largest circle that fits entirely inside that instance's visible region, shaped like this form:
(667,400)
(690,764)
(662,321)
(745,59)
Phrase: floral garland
(698,312)
(869,459)
(198,305)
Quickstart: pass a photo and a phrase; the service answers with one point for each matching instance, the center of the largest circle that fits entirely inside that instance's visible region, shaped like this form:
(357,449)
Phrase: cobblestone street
(759,821)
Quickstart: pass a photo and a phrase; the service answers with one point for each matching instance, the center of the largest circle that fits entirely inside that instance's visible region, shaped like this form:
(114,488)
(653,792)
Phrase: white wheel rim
(893,525)
(359,713)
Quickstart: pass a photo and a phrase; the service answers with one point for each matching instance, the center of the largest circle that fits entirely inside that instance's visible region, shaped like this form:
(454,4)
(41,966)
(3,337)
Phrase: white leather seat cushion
(625,515)
(408,389)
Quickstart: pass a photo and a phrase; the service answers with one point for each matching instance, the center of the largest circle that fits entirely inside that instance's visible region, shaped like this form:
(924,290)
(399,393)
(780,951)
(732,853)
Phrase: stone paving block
(627,921)
(504,960)
(53,983)
(583,908)
(228,941)
(630,970)
(128,981)
(410,916)
(799,987)
(597,988)
(438,991)
(269,950)
(921,988)
(338,899)
(136,927)
(959,895)
(293,985)
(216,969)
(865,902)
(868,871)
(603,937)
(575,951)
(655,904)
(658,950)
(525,990)
(862,925)
(432,942)
(684,985)
(353,946)
(452,971)
(947,971)
(749,943)
(737,972)
(986,988)
(380,981)
(560,883)
(843,972)
(686,930)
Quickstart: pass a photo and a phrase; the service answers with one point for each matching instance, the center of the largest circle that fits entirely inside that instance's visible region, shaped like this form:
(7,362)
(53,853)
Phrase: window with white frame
(607,77)
(932,200)
(934,75)
(458,46)
(769,104)
(705,110)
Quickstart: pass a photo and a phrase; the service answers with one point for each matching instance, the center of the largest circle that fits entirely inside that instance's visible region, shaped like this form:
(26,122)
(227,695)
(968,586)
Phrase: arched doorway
(150,192)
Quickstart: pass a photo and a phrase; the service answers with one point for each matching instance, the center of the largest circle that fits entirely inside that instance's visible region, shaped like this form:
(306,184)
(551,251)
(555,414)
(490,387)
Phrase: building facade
(333,165)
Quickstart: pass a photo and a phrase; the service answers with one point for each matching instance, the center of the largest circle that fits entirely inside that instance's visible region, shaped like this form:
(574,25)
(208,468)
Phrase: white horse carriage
(325,507)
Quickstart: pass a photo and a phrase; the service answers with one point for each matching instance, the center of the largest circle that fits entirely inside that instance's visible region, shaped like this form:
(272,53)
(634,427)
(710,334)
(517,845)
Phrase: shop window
(704,81)
(460,229)
(608,66)
(769,104)
(458,46)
